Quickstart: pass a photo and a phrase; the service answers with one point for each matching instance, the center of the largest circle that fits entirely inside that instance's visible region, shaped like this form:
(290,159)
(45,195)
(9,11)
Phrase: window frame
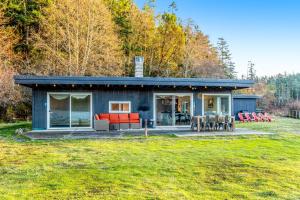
(229,95)
(70,111)
(192,107)
(119,102)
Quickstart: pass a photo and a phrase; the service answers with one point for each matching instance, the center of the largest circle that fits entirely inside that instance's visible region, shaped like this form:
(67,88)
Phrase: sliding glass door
(182,110)
(173,109)
(59,112)
(69,110)
(80,110)
(164,110)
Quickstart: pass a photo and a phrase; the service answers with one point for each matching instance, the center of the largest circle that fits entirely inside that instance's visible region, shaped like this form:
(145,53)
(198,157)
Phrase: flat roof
(246,96)
(34,81)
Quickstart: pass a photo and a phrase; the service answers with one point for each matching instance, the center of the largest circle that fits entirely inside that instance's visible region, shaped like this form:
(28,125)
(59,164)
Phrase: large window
(69,110)
(216,104)
(173,109)
(81,110)
(119,106)
(59,110)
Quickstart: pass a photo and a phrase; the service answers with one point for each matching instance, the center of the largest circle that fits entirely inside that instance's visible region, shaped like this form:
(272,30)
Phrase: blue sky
(266,32)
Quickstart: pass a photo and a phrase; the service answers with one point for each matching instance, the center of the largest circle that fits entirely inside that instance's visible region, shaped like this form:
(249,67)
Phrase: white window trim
(170,94)
(218,106)
(119,102)
(70,127)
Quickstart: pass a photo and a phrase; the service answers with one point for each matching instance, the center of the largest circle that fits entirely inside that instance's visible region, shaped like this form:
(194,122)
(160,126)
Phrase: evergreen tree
(25,16)
(225,59)
(231,73)
(173,7)
(251,75)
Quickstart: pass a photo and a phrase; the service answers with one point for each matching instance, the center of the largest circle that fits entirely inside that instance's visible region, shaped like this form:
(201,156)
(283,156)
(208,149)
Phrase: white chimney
(139,66)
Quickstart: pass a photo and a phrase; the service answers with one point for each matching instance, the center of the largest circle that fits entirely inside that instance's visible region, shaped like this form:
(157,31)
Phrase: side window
(119,106)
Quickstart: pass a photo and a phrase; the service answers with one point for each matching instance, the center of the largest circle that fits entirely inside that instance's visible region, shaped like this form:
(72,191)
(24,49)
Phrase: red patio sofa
(117,121)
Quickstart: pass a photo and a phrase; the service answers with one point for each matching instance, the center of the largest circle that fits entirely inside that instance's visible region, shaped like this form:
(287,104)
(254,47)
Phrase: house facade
(70,102)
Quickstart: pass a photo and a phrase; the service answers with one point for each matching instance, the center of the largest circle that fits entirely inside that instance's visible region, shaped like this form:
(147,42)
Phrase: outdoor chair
(255,117)
(267,117)
(114,122)
(228,123)
(205,123)
(216,122)
(262,117)
(248,117)
(135,121)
(221,122)
(124,121)
(194,123)
(101,124)
(211,121)
(241,117)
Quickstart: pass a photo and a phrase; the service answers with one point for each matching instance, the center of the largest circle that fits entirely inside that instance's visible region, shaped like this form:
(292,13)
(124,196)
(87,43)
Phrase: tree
(144,37)
(9,94)
(77,38)
(225,58)
(173,7)
(8,38)
(251,75)
(169,46)
(136,29)
(200,57)
(24,16)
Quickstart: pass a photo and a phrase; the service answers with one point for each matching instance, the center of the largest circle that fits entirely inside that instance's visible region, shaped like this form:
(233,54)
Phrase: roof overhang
(245,96)
(90,81)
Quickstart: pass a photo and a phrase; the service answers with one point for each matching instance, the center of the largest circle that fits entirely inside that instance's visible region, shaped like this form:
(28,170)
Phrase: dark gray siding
(137,98)
(101,97)
(244,104)
(39,109)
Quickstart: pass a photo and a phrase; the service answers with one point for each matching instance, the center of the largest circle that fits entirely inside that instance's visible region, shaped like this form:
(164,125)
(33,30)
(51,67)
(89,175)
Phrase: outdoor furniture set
(115,121)
(213,123)
(253,117)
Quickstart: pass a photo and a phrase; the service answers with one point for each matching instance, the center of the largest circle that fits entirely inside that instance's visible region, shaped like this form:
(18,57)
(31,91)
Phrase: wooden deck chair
(241,117)
(248,117)
(255,117)
(267,117)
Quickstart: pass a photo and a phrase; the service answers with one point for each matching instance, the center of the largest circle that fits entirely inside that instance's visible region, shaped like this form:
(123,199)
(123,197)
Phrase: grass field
(242,167)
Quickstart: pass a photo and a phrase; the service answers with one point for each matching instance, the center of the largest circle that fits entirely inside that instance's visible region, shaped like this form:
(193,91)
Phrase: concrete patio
(179,132)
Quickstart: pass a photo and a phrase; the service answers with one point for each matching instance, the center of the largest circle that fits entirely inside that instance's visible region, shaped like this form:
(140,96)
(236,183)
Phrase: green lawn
(248,167)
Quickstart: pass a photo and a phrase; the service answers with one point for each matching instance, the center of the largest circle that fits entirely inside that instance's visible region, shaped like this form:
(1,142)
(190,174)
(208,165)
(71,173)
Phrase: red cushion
(104,116)
(134,116)
(124,118)
(97,117)
(114,118)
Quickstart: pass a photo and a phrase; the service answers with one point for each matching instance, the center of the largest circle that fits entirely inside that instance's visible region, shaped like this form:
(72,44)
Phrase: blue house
(70,102)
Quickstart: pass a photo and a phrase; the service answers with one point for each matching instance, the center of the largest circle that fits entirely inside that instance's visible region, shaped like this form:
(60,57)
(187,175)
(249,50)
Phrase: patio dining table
(198,119)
